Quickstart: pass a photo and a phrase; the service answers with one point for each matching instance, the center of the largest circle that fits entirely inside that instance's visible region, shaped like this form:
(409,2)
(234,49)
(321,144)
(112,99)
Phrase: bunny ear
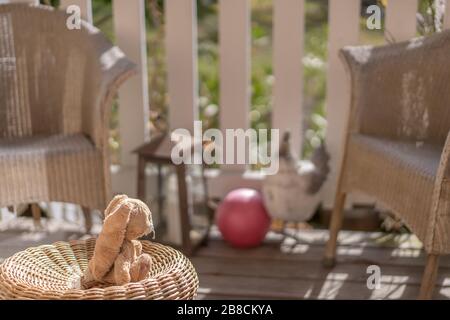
(117,215)
(111,238)
(112,206)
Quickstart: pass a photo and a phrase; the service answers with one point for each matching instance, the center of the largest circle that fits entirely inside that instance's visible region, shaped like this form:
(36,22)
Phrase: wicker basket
(52,271)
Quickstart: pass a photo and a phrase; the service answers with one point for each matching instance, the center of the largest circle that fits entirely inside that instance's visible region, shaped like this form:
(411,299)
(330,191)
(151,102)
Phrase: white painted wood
(181,50)
(447,15)
(234,38)
(401,20)
(129,26)
(34,2)
(221,181)
(343,30)
(288,35)
(84,5)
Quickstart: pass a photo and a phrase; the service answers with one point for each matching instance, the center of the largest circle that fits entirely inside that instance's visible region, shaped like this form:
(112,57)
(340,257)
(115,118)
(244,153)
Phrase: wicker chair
(397,142)
(56,90)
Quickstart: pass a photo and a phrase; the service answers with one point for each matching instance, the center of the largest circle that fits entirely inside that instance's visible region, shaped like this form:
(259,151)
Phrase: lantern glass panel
(197,202)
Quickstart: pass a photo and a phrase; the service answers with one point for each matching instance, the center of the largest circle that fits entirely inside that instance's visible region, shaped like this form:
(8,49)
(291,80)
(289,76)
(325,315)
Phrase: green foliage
(262,80)
(316,35)
(53,3)
(430,16)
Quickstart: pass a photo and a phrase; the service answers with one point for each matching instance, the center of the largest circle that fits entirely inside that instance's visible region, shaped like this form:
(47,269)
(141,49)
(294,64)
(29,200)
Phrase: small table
(158,151)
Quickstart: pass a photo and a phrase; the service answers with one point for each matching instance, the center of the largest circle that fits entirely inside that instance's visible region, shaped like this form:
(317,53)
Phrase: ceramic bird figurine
(292,195)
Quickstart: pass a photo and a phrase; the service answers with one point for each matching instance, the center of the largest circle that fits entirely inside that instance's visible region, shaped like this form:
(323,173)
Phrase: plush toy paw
(87,280)
(141,268)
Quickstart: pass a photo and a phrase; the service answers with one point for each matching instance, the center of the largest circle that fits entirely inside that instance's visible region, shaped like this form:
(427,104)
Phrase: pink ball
(242,218)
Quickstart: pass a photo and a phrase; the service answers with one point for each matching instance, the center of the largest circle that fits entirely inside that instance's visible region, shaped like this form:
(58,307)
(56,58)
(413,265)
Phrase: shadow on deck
(290,268)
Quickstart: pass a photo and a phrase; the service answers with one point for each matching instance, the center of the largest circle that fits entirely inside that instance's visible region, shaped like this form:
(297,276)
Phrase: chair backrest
(45,78)
(402,90)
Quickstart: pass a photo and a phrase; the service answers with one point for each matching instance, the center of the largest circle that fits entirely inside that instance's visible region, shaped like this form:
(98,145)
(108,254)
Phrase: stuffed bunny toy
(118,257)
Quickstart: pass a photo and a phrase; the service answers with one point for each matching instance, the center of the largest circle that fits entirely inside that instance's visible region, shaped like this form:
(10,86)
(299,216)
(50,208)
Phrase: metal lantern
(179,202)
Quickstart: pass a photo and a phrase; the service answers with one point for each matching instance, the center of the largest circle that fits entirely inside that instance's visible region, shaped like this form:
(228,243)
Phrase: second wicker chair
(397,144)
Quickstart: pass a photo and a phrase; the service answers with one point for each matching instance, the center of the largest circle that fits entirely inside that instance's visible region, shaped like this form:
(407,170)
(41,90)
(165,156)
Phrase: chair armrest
(439,221)
(400,91)
(111,69)
(443,173)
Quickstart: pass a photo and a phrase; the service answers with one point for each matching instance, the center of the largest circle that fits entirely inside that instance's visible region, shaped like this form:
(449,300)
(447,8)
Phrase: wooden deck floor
(288,268)
(284,267)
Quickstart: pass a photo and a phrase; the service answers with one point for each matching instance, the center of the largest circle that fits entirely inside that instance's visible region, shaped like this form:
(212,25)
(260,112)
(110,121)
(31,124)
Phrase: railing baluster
(130,31)
(447,15)
(288,35)
(343,30)
(181,50)
(401,20)
(234,37)
(84,5)
(35,2)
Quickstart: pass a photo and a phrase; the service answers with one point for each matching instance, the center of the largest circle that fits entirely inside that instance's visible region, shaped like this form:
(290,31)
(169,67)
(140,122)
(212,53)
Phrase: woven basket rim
(107,291)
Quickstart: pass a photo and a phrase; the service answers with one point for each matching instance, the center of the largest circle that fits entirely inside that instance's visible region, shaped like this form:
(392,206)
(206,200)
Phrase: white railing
(235,62)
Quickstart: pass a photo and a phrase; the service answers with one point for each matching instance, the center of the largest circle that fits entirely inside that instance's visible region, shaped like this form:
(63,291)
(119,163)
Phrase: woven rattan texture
(53,271)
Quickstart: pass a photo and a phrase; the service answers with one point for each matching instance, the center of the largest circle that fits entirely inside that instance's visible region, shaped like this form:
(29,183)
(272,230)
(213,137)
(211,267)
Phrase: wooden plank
(304,252)
(318,237)
(129,27)
(234,52)
(343,30)
(288,37)
(33,2)
(309,270)
(245,286)
(401,20)
(447,15)
(84,5)
(203,294)
(333,287)
(181,50)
